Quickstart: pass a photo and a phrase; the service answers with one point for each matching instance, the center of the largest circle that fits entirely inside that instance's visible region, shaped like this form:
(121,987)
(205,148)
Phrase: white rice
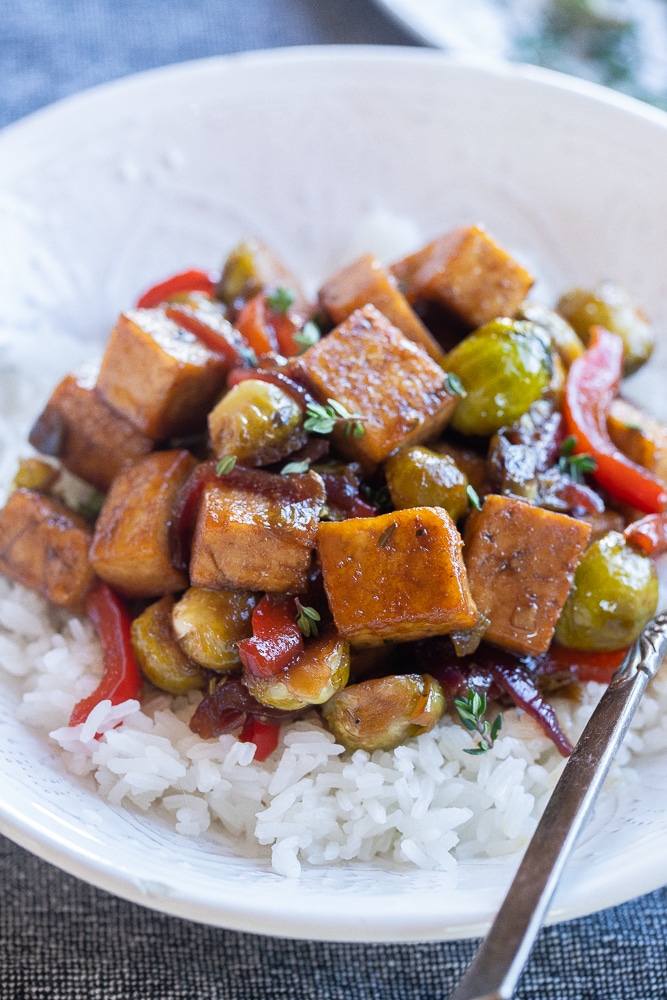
(427,803)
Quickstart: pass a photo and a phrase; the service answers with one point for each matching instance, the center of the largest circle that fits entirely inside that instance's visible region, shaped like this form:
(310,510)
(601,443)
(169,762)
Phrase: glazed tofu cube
(256,531)
(521,561)
(90,438)
(159,375)
(639,436)
(370,367)
(395,577)
(44,546)
(366,281)
(468,274)
(131,547)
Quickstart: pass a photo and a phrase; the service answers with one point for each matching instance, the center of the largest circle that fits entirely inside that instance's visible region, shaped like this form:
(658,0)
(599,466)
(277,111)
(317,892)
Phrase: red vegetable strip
(517,683)
(186,281)
(588,665)
(592,383)
(276,640)
(121,678)
(649,534)
(252,325)
(214,332)
(263,734)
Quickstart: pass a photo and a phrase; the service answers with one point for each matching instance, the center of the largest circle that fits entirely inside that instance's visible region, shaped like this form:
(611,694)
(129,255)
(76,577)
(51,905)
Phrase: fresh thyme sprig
(293,468)
(473,496)
(306,618)
(308,336)
(471,711)
(322,419)
(281,299)
(575,466)
(225,465)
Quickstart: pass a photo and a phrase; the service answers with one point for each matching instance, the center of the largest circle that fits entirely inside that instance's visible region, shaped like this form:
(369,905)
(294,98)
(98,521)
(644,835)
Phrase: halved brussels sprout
(158,653)
(504,366)
(209,624)
(615,593)
(609,305)
(382,713)
(258,422)
(564,339)
(322,669)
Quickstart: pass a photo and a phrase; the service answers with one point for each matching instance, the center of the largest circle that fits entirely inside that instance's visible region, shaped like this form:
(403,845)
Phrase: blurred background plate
(619,43)
(113,189)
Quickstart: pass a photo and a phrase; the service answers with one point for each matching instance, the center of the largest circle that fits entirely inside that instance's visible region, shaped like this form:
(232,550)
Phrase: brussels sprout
(158,653)
(208,624)
(609,305)
(615,593)
(419,477)
(504,366)
(565,341)
(382,713)
(258,422)
(35,474)
(322,669)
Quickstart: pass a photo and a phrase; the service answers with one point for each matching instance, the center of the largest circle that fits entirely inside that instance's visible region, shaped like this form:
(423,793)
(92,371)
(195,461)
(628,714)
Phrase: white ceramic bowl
(108,191)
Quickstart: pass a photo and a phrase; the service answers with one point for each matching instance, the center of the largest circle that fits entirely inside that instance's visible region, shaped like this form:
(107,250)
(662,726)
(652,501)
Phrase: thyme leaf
(280,300)
(471,709)
(575,466)
(473,496)
(322,419)
(306,618)
(295,467)
(308,336)
(225,465)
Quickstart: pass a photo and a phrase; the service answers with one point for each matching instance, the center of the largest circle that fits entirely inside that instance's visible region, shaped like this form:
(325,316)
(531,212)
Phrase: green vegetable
(209,624)
(319,672)
(471,711)
(615,593)
(281,299)
(505,366)
(306,618)
(419,477)
(308,336)
(159,655)
(322,419)
(610,306)
(382,713)
(225,465)
(575,466)
(257,422)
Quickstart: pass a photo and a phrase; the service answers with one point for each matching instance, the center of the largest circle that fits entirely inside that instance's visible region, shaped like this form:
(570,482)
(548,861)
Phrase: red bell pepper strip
(649,534)
(267,329)
(186,281)
(121,677)
(582,665)
(263,734)
(592,383)
(276,640)
(213,331)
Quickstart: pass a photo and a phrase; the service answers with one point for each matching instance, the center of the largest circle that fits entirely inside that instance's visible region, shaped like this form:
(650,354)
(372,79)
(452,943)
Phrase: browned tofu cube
(521,561)
(395,577)
(373,369)
(44,546)
(468,274)
(366,281)
(639,436)
(90,438)
(159,375)
(131,548)
(256,531)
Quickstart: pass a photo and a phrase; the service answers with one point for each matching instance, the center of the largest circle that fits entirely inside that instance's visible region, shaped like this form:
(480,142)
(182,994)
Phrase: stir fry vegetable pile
(423,493)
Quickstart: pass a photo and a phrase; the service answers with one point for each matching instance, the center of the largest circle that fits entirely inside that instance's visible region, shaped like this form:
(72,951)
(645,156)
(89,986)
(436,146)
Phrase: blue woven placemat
(63,939)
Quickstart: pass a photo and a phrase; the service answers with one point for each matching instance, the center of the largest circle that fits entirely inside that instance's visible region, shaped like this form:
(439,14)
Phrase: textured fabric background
(62,939)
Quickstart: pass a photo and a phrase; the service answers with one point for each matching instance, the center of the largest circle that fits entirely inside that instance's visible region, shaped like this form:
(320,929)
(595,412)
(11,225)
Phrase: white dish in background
(621,43)
(111,190)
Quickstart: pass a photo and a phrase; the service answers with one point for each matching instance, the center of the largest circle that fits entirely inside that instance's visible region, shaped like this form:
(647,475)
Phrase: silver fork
(500,959)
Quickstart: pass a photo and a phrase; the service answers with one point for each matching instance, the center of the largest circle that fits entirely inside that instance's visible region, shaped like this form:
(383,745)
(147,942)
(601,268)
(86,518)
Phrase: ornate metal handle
(500,959)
